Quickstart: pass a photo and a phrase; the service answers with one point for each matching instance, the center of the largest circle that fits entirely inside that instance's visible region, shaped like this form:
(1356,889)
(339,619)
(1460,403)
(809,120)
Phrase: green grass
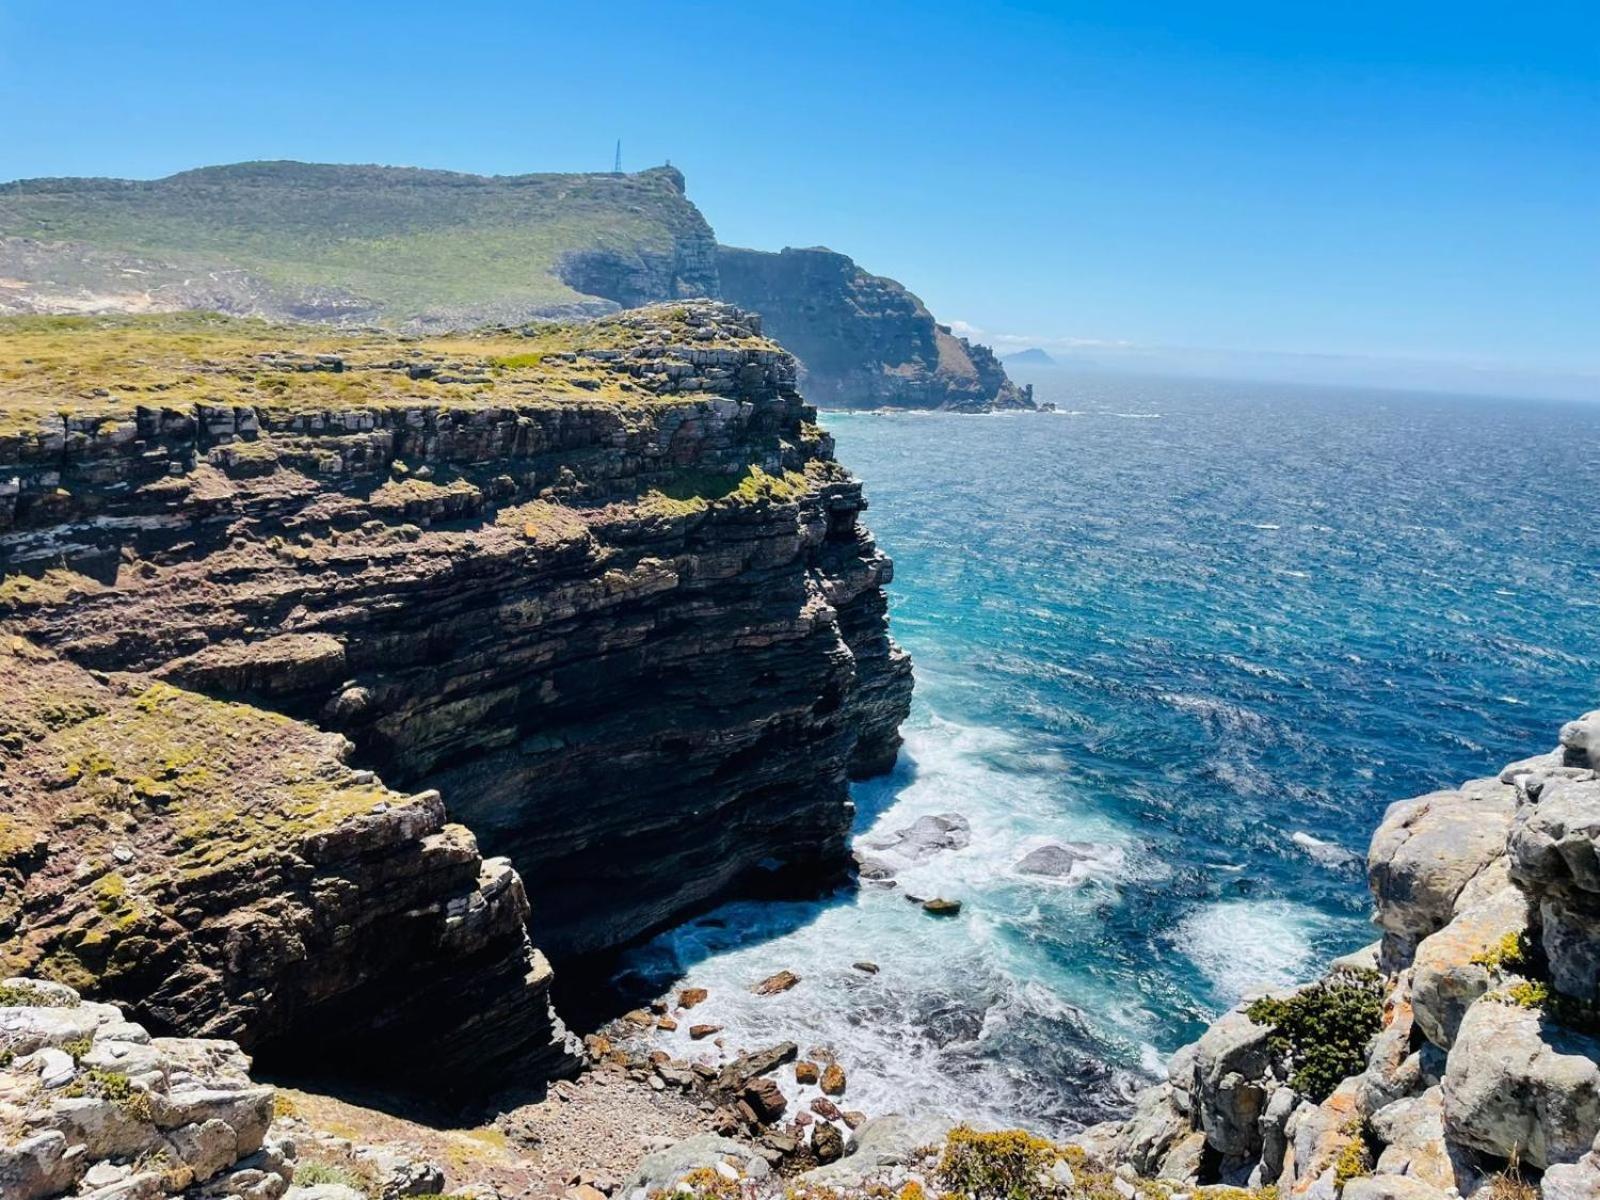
(413,242)
(109,366)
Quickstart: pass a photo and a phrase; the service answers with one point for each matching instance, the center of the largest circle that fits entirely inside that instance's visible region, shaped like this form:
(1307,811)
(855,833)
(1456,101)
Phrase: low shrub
(1323,1031)
(995,1166)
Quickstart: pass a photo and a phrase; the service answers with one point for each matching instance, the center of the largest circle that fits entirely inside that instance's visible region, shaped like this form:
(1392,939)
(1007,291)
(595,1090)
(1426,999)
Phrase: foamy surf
(956,1018)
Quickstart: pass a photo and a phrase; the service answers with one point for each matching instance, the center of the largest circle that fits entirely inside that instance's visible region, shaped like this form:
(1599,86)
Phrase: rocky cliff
(863,341)
(1456,1055)
(277,600)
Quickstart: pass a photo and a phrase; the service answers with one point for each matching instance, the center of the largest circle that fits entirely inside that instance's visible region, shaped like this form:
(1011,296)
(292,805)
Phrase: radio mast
(616,163)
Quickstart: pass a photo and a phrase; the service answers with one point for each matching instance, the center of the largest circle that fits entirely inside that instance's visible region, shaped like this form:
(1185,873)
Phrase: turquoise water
(1204,633)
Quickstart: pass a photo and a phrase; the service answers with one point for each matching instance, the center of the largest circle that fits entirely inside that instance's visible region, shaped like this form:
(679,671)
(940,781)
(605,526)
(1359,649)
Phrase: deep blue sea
(1201,633)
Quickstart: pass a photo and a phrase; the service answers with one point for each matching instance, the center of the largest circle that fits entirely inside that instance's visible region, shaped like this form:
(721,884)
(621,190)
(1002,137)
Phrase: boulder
(925,837)
(205,1147)
(1275,1133)
(1518,1084)
(399,1175)
(1393,1068)
(887,1141)
(1580,741)
(1556,841)
(1569,935)
(1554,851)
(1231,1079)
(1574,1181)
(1186,1160)
(1391,1187)
(827,1143)
(765,1099)
(1057,859)
(759,1062)
(1428,848)
(833,1079)
(1448,972)
(773,984)
(662,1170)
(1412,1131)
(187,1100)
(38,1166)
(1154,1128)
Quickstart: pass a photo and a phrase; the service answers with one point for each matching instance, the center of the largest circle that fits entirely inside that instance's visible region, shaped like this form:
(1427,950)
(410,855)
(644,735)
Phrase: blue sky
(1415,181)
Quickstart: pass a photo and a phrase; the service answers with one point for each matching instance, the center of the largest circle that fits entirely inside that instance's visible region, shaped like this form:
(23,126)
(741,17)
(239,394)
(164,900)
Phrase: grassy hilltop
(391,245)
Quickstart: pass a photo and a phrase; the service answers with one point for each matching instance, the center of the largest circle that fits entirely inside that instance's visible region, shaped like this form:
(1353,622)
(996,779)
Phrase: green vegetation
(105,368)
(113,1086)
(397,243)
(1015,1165)
(1323,1031)
(1525,993)
(995,1166)
(1510,953)
(24,995)
(1352,1162)
(308,1174)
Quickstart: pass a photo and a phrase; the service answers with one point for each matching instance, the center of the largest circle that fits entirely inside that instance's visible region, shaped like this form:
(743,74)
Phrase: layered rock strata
(606,593)
(864,341)
(1487,1060)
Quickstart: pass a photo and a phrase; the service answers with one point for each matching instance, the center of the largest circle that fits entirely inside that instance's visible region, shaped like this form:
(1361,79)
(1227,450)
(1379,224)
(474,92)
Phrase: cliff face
(863,341)
(1461,1050)
(605,592)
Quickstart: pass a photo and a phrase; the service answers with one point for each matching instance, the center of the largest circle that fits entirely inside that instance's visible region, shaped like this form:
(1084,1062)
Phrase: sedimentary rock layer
(607,594)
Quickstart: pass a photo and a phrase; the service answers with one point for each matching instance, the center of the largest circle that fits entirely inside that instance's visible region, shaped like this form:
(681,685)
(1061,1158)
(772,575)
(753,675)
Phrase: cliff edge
(280,603)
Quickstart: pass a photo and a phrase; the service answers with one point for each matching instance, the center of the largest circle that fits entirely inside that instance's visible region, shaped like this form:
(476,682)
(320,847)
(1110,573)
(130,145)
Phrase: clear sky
(1407,179)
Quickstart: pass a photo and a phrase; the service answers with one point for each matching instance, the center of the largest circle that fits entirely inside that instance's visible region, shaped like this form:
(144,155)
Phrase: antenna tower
(616,162)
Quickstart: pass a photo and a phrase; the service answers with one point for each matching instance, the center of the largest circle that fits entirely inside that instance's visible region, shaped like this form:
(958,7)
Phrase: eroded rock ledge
(606,593)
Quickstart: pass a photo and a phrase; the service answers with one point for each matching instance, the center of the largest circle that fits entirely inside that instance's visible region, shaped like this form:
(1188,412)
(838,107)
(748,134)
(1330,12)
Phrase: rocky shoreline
(345,678)
(1474,1064)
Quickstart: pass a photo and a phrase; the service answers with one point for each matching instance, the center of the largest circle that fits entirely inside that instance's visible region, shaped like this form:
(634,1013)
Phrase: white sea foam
(939,1025)
(1243,946)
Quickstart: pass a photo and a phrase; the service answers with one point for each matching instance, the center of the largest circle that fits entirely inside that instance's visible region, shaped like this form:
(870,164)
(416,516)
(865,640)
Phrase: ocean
(1197,635)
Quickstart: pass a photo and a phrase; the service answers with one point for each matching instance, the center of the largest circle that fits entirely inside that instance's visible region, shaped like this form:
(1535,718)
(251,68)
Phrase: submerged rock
(1058,859)
(773,984)
(926,837)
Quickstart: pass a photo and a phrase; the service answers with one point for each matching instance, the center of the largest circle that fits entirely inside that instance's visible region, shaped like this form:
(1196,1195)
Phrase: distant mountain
(395,245)
(1033,357)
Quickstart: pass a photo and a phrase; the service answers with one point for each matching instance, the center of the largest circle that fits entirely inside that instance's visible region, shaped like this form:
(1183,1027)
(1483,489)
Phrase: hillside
(429,251)
(355,244)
